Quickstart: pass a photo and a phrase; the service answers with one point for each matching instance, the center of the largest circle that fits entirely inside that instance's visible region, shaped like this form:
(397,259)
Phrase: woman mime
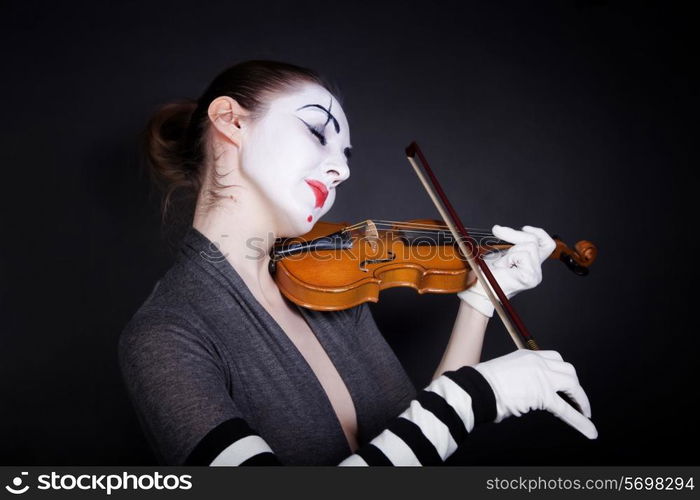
(222,369)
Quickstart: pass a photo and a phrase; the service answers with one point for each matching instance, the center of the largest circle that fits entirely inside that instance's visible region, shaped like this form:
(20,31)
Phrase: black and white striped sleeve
(426,433)
(245,448)
(434,424)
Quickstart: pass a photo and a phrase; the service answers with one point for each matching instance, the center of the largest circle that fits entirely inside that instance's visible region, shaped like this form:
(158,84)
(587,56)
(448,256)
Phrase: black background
(573,116)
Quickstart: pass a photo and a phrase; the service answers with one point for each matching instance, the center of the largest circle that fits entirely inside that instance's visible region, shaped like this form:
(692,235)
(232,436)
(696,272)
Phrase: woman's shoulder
(169,309)
(184,289)
(159,334)
(185,306)
(154,328)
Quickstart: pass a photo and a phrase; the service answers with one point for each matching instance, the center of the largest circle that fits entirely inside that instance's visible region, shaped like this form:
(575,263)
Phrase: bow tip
(411,149)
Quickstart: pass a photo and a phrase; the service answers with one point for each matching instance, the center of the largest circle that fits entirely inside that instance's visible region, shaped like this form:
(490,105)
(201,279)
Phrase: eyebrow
(329,115)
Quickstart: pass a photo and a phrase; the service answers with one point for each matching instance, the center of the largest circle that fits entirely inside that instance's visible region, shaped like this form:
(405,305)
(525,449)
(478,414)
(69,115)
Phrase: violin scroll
(578,259)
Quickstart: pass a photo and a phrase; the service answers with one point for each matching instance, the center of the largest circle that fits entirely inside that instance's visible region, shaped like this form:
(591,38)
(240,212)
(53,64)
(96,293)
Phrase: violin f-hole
(391,257)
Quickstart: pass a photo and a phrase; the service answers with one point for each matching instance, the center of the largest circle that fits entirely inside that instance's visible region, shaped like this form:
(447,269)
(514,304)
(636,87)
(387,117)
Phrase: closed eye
(318,133)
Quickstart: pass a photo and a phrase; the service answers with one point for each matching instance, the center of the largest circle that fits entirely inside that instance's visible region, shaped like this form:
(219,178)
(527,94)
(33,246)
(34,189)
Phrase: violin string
(409,224)
(429,231)
(399,224)
(432,229)
(446,233)
(436,232)
(425,228)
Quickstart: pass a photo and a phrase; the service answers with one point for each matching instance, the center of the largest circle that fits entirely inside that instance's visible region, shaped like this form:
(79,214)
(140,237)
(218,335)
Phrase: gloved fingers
(529,247)
(524,264)
(570,385)
(545,243)
(511,235)
(568,414)
(561,366)
(505,259)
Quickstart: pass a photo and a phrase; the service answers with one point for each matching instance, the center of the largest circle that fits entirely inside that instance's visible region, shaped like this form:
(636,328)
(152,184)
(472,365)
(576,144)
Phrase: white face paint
(296,155)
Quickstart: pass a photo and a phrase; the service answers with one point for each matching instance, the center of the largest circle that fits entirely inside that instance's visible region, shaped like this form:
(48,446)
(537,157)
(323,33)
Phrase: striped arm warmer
(426,433)
(434,424)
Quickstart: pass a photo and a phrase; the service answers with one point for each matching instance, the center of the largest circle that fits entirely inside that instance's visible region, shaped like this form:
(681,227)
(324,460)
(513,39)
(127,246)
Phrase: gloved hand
(527,380)
(515,269)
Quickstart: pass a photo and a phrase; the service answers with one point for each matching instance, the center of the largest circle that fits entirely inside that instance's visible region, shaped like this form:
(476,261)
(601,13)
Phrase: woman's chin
(298,226)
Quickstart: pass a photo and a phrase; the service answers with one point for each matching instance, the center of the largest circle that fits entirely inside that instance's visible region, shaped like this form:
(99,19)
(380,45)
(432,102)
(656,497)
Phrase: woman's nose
(337,172)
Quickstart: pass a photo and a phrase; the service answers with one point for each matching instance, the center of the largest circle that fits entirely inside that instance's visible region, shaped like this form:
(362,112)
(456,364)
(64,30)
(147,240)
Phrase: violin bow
(467,246)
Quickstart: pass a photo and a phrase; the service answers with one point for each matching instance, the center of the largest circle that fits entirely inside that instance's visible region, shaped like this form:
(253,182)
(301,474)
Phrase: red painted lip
(320,191)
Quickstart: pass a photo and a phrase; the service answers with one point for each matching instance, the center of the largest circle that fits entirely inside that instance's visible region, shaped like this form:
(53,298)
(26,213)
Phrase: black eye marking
(318,133)
(348,153)
(329,115)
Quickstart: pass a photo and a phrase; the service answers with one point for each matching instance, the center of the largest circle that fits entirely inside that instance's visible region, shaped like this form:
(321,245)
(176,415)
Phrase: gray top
(201,350)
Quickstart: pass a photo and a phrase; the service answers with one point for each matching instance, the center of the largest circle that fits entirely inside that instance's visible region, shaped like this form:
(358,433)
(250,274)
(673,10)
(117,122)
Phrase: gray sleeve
(176,384)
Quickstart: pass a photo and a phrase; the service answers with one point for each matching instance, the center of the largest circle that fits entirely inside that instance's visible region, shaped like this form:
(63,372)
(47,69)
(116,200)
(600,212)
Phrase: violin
(337,266)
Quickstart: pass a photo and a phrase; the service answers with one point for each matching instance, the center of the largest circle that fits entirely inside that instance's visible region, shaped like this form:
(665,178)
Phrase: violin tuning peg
(577,269)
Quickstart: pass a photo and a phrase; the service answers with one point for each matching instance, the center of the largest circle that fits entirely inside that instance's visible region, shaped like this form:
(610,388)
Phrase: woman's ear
(228,117)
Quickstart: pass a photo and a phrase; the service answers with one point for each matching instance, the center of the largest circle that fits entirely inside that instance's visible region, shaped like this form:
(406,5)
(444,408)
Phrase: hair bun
(165,144)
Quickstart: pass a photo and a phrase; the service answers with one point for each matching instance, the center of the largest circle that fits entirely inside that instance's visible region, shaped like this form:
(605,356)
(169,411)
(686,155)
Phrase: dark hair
(175,137)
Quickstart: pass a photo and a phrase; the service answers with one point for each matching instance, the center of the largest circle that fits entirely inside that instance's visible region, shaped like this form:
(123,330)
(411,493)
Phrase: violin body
(337,266)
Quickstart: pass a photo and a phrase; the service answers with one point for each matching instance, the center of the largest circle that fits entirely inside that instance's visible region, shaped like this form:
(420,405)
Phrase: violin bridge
(371,234)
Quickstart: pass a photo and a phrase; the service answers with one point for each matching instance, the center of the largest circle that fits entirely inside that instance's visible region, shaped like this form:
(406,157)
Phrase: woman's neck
(244,235)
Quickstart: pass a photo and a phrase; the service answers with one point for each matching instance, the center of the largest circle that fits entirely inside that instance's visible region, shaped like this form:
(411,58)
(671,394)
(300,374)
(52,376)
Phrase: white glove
(527,380)
(516,269)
